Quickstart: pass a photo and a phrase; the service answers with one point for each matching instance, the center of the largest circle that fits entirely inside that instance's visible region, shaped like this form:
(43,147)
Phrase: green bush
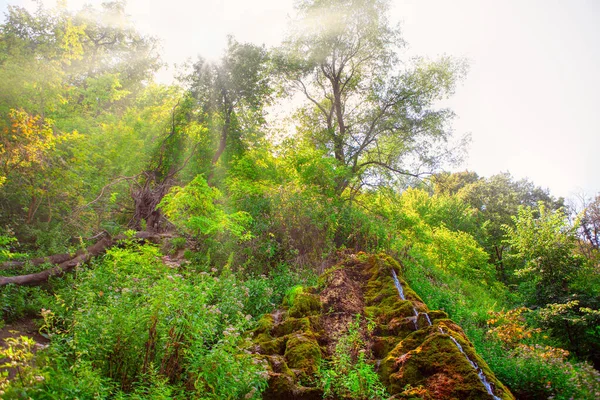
(130,327)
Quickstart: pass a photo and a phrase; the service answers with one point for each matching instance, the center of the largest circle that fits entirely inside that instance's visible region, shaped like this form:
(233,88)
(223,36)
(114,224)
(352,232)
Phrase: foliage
(589,228)
(134,328)
(544,243)
(348,374)
(451,280)
(21,301)
(194,208)
(26,144)
(88,140)
(511,326)
(369,113)
(575,326)
(17,355)
(7,245)
(231,95)
(494,200)
(63,72)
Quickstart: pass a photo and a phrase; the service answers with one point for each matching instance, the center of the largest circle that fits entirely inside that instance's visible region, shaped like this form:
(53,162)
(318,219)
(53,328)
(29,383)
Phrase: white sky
(531,100)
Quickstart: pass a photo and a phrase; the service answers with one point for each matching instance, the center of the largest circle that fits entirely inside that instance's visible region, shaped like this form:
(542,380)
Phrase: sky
(531,100)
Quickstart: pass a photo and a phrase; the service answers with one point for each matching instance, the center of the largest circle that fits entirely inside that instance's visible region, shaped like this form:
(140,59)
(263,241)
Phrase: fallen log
(81,257)
(54,259)
(41,277)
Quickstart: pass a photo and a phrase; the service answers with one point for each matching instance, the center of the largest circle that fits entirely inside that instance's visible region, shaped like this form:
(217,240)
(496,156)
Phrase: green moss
(382,345)
(416,364)
(325,277)
(315,323)
(281,386)
(308,393)
(407,374)
(262,337)
(278,365)
(437,314)
(291,294)
(418,358)
(376,291)
(415,393)
(265,324)
(291,325)
(391,261)
(394,307)
(401,327)
(274,346)
(305,304)
(303,352)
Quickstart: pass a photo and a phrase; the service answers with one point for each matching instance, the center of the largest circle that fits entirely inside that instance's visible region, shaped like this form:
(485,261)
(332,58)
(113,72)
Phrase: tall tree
(60,72)
(496,200)
(543,240)
(231,94)
(589,227)
(369,110)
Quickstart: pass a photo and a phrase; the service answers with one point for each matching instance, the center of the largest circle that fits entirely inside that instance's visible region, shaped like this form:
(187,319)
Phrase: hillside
(359,317)
(278,223)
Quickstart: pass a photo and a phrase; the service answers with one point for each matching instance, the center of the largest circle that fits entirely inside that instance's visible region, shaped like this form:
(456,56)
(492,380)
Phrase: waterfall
(401,293)
(398,285)
(416,319)
(428,319)
(480,374)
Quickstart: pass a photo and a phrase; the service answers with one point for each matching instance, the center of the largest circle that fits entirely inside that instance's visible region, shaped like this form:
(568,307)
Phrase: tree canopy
(375,114)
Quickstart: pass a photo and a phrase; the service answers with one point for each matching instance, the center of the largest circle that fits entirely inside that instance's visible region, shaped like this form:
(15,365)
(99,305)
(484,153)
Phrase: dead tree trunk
(76,259)
(146,198)
(54,259)
(66,266)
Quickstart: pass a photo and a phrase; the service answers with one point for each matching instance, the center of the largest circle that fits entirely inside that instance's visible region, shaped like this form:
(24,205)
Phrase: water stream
(401,293)
(416,319)
(480,374)
(398,285)
(428,319)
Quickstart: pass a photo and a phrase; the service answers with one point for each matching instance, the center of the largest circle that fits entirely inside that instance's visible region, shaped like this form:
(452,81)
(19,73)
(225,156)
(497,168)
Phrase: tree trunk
(54,259)
(79,258)
(60,269)
(146,200)
(500,263)
(222,145)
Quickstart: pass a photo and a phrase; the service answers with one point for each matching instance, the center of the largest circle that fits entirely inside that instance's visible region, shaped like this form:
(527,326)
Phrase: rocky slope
(417,353)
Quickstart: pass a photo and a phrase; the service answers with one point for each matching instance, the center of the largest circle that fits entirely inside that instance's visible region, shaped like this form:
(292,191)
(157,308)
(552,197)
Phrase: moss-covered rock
(265,323)
(304,305)
(382,345)
(271,346)
(303,352)
(291,325)
(437,314)
(414,359)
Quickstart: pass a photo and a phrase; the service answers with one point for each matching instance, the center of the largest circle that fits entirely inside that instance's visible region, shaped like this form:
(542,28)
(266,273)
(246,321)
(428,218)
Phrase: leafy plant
(348,374)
